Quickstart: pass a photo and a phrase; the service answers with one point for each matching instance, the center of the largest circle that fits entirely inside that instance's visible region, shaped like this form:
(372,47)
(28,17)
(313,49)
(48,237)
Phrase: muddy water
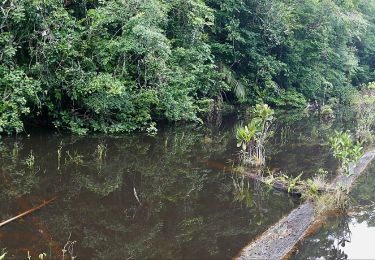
(171,196)
(350,236)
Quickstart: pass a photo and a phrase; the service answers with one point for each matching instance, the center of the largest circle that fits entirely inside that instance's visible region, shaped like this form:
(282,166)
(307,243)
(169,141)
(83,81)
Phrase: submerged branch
(28,212)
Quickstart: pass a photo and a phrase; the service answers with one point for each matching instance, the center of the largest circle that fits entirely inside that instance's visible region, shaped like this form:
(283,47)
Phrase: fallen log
(281,186)
(27,212)
(281,239)
(257,176)
(275,185)
(41,227)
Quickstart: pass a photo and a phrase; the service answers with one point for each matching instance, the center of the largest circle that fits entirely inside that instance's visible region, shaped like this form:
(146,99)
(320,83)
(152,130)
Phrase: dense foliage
(121,65)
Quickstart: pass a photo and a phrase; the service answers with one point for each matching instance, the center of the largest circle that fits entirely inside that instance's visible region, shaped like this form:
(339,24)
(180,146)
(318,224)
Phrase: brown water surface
(139,197)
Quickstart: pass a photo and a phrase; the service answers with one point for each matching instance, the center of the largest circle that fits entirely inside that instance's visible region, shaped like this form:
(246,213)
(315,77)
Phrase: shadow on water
(171,196)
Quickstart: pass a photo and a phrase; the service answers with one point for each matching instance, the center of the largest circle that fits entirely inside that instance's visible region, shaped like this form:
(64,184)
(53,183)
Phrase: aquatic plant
(315,186)
(308,188)
(364,106)
(100,154)
(241,191)
(345,149)
(59,151)
(240,169)
(41,256)
(293,182)
(253,136)
(315,189)
(74,158)
(68,249)
(285,133)
(30,160)
(15,151)
(334,200)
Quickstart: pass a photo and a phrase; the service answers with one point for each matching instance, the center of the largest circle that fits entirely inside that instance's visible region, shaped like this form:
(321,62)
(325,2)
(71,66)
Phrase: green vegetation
(345,149)
(309,188)
(171,177)
(100,154)
(242,192)
(364,105)
(253,137)
(117,66)
(30,161)
(327,112)
(336,200)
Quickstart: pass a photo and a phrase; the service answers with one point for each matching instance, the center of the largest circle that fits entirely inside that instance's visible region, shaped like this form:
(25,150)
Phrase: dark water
(171,196)
(349,236)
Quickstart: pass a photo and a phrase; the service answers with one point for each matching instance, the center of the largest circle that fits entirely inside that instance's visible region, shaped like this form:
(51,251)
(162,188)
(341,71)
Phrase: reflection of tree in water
(363,198)
(300,145)
(333,237)
(329,241)
(153,196)
(16,178)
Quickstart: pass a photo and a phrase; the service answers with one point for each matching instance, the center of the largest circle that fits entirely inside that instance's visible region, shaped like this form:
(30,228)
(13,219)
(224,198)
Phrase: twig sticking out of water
(136,196)
(69,248)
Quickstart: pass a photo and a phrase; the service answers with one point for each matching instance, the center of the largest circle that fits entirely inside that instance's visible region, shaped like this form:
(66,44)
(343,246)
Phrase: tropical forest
(187,129)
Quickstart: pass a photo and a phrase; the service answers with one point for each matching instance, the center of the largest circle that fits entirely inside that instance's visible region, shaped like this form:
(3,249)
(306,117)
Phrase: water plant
(68,250)
(59,152)
(345,149)
(285,133)
(15,151)
(74,158)
(315,186)
(364,106)
(293,182)
(100,154)
(241,191)
(30,160)
(309,188)
(252,137)
(334,200)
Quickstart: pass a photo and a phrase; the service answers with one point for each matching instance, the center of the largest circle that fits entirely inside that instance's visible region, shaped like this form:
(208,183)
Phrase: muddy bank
(280,239)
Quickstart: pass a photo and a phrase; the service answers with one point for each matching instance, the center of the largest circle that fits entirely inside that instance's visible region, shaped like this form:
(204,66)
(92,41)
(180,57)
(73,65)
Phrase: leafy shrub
(253,137)
(345,149)
(289,98)
(118,66)
(327,113)
(364,106)
(19,96)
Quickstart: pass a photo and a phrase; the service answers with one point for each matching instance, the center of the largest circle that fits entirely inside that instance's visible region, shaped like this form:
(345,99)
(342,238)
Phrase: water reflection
(132,197)
(349,236)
